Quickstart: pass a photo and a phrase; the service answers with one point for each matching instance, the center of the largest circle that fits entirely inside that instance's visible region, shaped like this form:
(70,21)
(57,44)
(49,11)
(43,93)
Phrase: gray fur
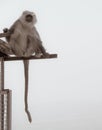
(25,41)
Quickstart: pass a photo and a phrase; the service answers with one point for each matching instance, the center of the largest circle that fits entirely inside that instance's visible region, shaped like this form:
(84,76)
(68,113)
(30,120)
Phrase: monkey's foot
(38,55)
(47,55)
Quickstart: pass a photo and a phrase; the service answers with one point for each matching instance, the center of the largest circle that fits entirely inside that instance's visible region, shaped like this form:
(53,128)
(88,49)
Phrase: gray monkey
(25,41)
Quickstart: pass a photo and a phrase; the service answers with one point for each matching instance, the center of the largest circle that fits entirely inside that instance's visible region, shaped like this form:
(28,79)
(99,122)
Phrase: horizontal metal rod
(29,58)
(4,91)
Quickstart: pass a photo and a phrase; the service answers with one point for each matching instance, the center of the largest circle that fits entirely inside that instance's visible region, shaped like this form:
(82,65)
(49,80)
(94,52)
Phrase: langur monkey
(25,41)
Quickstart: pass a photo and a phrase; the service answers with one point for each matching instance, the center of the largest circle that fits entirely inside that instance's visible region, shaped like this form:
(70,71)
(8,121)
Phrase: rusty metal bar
(5,110)
(5,101)
(1,73)
(30,58)
(5,94)
(9,110)
(1,96)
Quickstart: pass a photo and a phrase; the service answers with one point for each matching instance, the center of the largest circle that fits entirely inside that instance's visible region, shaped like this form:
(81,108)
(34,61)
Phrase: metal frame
(5,109)
(6,94)
(5,101)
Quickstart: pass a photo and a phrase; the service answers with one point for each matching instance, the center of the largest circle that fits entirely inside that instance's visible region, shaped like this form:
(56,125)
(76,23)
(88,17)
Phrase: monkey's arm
(39,42)
(36,34)
(34,45)
(14,43)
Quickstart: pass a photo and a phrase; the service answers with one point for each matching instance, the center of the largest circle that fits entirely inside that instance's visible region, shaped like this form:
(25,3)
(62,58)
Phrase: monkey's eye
(29,18)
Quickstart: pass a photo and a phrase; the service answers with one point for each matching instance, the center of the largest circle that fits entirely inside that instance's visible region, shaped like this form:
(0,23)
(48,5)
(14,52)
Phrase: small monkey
(25,41)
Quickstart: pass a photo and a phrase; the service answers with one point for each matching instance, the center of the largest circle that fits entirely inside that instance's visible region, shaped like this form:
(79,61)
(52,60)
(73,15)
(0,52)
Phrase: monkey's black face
(29,18)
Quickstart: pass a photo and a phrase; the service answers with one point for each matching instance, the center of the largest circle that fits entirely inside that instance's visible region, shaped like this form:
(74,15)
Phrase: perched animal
(25,41)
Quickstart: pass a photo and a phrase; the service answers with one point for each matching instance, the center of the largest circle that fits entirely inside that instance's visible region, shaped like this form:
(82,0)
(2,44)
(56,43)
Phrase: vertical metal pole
(5,110)
(5,101)
(1,73)
(1,96)
(9,109)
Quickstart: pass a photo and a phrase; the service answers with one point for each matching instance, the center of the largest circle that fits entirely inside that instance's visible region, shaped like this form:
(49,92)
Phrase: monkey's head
(28,18)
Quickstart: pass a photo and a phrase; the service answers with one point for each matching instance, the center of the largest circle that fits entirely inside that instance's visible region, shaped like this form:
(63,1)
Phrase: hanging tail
(26,68)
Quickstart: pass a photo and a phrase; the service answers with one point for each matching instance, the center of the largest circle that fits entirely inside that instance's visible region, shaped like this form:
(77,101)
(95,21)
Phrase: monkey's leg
(26,68)
(43,51)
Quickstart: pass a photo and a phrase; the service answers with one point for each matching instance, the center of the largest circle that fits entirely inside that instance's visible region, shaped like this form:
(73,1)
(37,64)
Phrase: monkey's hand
(5,30)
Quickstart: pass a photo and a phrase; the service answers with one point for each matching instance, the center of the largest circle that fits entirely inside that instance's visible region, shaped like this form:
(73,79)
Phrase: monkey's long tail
(26,68)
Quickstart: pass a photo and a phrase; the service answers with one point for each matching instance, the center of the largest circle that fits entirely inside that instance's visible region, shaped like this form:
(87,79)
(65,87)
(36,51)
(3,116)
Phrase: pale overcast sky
(64,93)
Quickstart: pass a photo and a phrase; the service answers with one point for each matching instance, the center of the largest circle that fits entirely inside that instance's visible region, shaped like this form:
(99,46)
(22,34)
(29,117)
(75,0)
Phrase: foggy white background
(64,93)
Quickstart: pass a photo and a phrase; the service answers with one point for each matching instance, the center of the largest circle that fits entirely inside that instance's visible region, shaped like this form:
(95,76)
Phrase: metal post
(5,101)
(1,73)
(1,96)
(5,94)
